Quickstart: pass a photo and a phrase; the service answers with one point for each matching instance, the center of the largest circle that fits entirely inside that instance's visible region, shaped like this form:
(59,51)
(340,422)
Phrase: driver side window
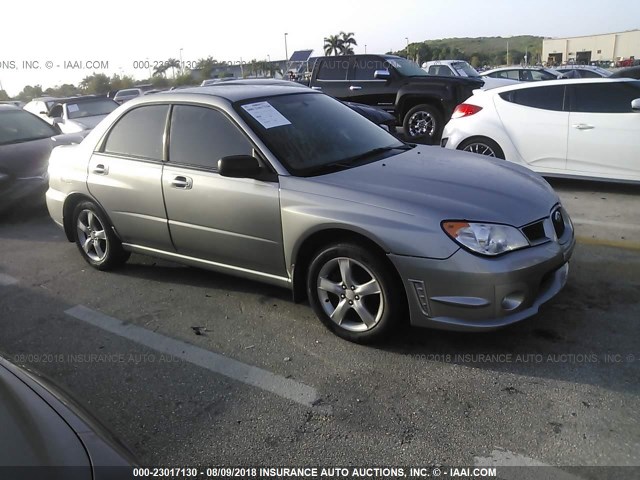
(201,136)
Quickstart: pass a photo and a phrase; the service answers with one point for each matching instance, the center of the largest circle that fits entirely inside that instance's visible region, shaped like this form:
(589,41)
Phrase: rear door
(536,122)
(125,177)
(331,77)
(230,221)
(604,133)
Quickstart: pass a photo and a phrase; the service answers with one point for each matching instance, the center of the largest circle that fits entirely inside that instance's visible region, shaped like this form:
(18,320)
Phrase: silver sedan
(297,190)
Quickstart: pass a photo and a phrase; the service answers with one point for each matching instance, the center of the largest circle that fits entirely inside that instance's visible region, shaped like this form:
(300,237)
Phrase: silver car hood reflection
(440,184)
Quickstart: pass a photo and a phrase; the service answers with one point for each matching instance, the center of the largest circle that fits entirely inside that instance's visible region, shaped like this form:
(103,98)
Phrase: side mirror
(635,105)
(239,166)
(382,74)
(42,113)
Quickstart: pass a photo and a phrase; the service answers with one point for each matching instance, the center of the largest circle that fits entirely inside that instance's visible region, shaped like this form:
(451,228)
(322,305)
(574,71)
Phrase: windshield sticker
(264,113)
(73,108)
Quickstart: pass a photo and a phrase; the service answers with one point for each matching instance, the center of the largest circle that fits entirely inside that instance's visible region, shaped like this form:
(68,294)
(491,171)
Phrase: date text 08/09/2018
(315,472)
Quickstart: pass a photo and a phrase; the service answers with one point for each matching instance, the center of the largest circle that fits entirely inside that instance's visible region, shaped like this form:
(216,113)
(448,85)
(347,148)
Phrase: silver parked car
(291,187)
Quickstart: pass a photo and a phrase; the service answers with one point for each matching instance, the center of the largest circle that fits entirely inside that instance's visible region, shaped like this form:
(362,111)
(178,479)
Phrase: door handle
(101,169)
(583,126)
(355,87)
(316,88)
(184,183)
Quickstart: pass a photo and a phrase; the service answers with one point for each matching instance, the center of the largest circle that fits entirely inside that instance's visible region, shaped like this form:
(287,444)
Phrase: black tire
(385,308)
(95,238)
(482,146)
(423,124)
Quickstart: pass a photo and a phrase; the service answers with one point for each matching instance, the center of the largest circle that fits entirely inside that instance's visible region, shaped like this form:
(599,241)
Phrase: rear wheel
(95,238)
(482,146)
(353,293)
(423,123)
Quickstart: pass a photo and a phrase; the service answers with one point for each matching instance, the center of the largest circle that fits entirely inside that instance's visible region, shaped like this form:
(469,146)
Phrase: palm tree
(160,69)
(347,41)
(205,65)
(332,45)
(172,64)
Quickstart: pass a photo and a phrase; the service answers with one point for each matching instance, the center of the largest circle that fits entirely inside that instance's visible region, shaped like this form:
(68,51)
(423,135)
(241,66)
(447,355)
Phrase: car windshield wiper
(354,160)
(350,162)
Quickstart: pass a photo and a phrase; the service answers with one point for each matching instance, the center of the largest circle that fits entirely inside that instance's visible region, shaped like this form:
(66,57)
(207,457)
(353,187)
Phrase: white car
(571,128)
(75,115)
(460,68)
(522,74)
(40,107)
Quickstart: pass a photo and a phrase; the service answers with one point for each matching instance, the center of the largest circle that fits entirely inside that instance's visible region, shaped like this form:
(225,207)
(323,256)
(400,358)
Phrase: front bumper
(467,292)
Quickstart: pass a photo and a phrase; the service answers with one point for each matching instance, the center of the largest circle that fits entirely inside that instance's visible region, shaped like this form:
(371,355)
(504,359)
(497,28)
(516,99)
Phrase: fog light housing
(512,301)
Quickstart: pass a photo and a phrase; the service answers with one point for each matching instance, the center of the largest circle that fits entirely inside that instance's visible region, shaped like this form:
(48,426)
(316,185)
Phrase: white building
(607,47)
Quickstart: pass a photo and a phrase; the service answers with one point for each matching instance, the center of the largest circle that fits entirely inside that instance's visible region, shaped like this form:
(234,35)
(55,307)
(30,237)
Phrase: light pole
(365,48)
(286,53)
(507,53)
(407,39)
(181,67)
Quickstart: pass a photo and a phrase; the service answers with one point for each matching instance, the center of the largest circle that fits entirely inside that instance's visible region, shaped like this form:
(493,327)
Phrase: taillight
(465,109)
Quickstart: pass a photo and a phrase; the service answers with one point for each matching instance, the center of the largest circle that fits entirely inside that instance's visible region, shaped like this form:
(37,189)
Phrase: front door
(230,221)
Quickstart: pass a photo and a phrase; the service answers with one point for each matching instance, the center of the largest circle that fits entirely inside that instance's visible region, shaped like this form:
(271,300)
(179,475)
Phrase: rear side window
(546,98)
(510,74)
(139,133)
(334,69)
(201,136)
(604,97)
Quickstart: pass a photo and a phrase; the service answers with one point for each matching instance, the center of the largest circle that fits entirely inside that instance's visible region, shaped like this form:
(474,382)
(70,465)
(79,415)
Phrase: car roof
(7,106)
(80,99)
(233,92)
(43,99)
(560,81)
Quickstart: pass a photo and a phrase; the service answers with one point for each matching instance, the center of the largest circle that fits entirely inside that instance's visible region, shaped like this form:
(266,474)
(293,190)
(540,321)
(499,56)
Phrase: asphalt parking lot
(191,367)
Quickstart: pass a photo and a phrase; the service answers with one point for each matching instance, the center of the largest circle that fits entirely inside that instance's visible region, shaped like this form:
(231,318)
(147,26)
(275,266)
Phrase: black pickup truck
(422,104)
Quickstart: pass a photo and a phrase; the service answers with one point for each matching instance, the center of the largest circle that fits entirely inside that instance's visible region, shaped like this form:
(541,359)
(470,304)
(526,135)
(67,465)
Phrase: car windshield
(91,108)
(313,134)
(406,68)
(17,126)
(465,70)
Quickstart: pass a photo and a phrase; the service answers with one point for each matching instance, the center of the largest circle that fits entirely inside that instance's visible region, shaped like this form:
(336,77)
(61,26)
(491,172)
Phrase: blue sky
(127,31)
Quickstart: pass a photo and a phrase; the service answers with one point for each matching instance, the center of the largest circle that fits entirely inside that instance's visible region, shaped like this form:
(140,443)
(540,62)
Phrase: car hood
(31,158)
(33,434)
(439,184)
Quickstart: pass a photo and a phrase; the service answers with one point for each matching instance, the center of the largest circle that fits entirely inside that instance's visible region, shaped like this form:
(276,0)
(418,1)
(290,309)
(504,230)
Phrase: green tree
(332,45)
(3,96)
(205,65)
(160,69)
(347,42)
(119,83)
(98,83)
(172,64)
(184,79)
(28,93)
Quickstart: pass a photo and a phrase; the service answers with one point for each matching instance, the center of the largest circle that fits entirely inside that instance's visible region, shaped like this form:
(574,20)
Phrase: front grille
(558,222)
(535,232)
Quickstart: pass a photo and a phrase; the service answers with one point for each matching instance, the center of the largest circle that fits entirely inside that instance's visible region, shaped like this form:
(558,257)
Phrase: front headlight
(485,238)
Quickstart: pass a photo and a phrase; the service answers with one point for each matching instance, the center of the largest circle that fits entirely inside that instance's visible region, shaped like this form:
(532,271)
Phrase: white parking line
(507,459)
(248,374)
(598,223)
(6,280)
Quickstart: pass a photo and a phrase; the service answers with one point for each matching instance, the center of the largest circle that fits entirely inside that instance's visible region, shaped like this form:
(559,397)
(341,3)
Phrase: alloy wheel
(350,294)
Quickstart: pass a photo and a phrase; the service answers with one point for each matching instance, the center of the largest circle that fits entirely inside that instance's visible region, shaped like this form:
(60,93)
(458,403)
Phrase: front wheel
(95,238)
(423,123)
(482,146)
(353,293)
